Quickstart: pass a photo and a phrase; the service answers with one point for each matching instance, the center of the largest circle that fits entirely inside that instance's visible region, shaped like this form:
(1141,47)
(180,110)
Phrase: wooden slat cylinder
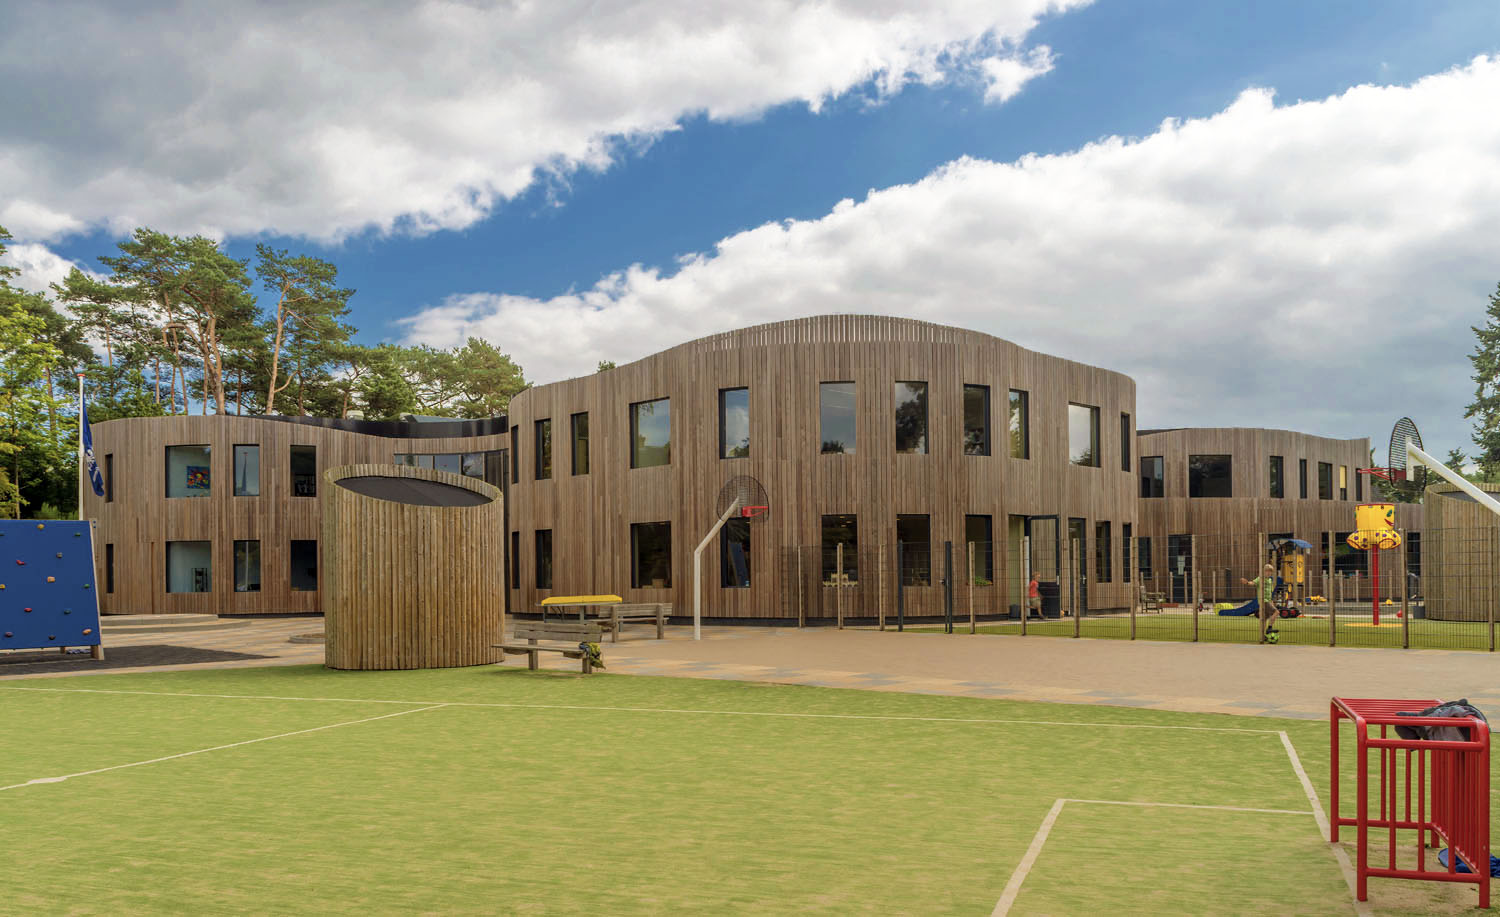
(1458,554)
(409,586)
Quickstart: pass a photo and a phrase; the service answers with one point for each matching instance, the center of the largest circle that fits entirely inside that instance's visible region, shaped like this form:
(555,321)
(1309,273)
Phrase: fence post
(1073,583)
(1328,584)
(948,586)
(880,585)
(1135,593)
(1405,605)
(1490,605)
(838,584)
(971,587)
(900,593)
(801,591)
(1193,582)
(1026,575)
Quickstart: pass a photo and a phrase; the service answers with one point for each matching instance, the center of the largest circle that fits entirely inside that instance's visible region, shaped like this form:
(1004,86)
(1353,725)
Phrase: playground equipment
(47,592)
(1376,525)
(742,497)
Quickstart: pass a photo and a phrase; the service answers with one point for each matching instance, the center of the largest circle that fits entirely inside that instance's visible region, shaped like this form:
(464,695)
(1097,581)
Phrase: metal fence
(1439,590)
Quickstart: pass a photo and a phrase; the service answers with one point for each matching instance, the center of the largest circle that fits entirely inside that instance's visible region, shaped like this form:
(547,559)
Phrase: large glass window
(1343,482)
(1124,442)
(515,458)
(1359,487)
(651,433)
(304,569)
(424,460)
(976,420)
(1083,435)
(1302,478)
(836,416)
(544,449)
(189,566)
(1152,483)
(109,568)
(734,423)
(841,529)
(651,555)
(1210,476)
(911,417)
(1020,425)
(304,471)
(188,473)
(1102,555)
(247,566)
(109,477)
(734,554)
(544,558)
(914,534)
(1278,485)
(515,560)
(451,462)
(247,471)
(474,465)
(1125,552)
(1325,480)
(581,443)
(979,531)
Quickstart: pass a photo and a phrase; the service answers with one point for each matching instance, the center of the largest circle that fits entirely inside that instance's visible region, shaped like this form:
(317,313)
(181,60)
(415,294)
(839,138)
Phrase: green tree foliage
(605,365)
(308,328)
(1484,410)
(37,455)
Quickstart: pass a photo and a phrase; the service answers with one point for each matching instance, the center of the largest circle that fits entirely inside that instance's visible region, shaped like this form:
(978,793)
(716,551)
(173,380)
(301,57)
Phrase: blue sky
(687,181)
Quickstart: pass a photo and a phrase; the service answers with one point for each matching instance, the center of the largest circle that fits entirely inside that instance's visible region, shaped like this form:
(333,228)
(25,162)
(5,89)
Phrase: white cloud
(1313,266)
(40,266)
(329,118)
(1006,75)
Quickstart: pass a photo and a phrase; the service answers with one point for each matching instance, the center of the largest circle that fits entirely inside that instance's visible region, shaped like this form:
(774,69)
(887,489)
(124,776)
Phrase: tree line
(174,325)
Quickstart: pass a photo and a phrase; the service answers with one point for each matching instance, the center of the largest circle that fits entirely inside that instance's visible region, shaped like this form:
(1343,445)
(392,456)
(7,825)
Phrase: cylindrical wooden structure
(413,563)
(1457,564)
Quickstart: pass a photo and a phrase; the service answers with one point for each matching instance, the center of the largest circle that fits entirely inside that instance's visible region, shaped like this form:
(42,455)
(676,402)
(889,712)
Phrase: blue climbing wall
(47,588)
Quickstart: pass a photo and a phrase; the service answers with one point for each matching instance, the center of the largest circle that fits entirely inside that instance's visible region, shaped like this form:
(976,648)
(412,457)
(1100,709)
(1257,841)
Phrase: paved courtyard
(1292,681)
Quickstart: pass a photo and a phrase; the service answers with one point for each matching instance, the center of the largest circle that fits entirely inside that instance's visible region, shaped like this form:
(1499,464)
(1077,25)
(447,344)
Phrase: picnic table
(581,602)
(612,612)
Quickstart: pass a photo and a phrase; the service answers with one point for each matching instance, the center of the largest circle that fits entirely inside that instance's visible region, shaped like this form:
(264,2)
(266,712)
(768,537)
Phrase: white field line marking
(1361,908)
(201,751)
(765,713)
(1023,868)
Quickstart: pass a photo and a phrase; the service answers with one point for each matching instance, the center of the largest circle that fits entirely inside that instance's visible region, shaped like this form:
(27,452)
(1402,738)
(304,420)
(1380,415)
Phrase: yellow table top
(583,600)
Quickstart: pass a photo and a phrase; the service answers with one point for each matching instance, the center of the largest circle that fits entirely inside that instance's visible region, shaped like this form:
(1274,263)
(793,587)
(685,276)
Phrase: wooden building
(1460,553)
(220,514)
(1233,487)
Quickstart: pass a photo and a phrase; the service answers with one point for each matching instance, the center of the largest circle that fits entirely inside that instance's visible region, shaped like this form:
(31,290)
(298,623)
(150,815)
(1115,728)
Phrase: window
(515,459)
(914,534)
(544,558)
(1278,486)
(1210,476)
(1020,425)
(515,560)
(651,433)
(836,417)
(734,423)
(911,417)
(451,462)
(109,568)
(1083,435)
(1359,487)
(1124,442)
(304,573)
(581,443)
(109,477)
(1302,478)
(544,449)
(188,473)
(1347,561)
(840,530)
(404,458)
(247,566)
(651,555)
(474,465)
(305,471)
(734,554)
(1151,476)
(979,531)
(189,566)
(423,461)
(1143,558)
(247,471)
(1325,480)
(1343,482)
(976,420)
(1125,553)
(1102,556)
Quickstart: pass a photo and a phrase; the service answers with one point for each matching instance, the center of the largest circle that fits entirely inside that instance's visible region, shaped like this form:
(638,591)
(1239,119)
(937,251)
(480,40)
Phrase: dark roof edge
(403,429)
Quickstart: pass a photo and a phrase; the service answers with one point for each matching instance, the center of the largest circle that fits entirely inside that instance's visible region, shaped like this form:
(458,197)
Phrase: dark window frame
(736,531)
(916,571)
(829,549)
(543,566)
(1154,484)
(575,440)
(977,436)
(307,486)
(291,559)
(1126,533)
(724,447)
(542,447)
(234,457)
(1200,478)
(635,456)
(235,561)
(851,448)
(918,444)
(1103,558)
(636,530)
(514,557)
(167,470)
(984,551)
(1302,478)
(109,478)
(1024,403)
(1093,416)
(1325,475)
(1276,477)
(1124,441)
(109,567)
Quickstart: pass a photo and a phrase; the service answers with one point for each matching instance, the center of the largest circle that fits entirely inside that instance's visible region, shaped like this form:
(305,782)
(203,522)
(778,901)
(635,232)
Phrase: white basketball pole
(1415,456)
(698,568)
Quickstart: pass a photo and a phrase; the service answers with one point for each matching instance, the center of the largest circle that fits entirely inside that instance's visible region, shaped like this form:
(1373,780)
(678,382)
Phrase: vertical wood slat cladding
(782,364)
(141,519)
(1459,554)
(1252,510)
(406,586)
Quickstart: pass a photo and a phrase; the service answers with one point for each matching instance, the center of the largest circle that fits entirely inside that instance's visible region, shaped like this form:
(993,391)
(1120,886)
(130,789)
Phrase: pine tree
(1485,408)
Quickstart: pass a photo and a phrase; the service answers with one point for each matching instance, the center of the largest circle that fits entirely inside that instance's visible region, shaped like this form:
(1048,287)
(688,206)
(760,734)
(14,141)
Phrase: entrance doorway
(1078,544)
(1180,567)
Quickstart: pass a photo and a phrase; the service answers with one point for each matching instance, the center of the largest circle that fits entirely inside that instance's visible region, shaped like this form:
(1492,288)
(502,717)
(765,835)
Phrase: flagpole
(80,445)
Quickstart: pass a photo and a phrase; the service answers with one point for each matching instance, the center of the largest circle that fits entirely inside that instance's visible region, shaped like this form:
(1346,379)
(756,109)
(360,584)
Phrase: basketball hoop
(753,512)
(743,497)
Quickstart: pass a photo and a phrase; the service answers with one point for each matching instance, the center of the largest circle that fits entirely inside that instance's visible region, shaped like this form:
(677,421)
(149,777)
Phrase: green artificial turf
(616,794)
(1212,628)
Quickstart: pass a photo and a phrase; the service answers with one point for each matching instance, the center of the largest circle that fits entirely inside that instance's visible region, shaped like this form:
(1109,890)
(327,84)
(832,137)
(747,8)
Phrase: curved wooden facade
(137,520)
(1460,551)
(589,516)
(409,586)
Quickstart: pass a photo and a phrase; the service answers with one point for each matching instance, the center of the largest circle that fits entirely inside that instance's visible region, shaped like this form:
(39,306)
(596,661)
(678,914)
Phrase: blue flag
(89,465)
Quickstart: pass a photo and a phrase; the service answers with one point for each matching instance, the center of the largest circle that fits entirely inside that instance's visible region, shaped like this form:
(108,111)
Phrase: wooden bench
(1151,601)
(569,632)
(612,616)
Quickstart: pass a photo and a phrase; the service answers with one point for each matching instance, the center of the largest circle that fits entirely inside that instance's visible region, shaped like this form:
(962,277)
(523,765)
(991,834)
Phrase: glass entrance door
(1078,545)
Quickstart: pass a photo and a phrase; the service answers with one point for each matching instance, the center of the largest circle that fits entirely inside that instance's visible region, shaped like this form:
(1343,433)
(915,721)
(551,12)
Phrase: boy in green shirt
(1265,586)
